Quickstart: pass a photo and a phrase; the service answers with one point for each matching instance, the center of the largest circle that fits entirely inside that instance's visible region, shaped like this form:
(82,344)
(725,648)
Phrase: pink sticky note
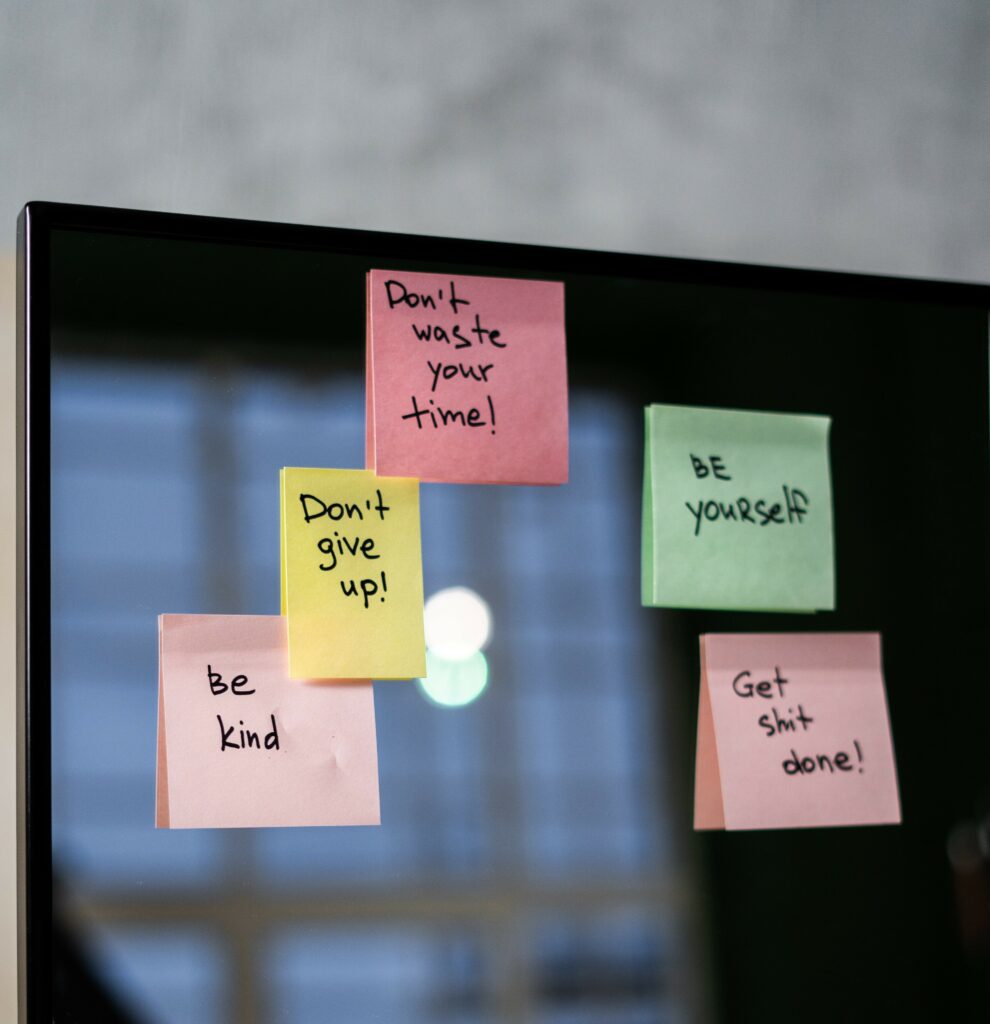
(240,745)
(466,378)
(793,732)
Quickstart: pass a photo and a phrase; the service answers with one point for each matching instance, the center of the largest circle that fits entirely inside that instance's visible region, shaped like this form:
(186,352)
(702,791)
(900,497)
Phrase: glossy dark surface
(224,323)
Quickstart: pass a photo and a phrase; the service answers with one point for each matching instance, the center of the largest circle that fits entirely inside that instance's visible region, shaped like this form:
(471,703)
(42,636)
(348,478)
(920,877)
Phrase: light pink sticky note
(793,732)
(466,378)
(240,745)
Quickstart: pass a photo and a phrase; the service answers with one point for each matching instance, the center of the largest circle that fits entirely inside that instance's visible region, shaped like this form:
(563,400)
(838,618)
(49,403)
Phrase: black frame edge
(34,861)
(194,227)
(19,638)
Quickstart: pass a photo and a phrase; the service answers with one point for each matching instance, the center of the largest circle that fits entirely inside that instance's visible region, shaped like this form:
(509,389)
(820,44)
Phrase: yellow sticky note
(352,574)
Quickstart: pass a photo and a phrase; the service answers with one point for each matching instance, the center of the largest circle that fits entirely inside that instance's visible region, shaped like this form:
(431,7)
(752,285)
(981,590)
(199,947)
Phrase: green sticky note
(737,510)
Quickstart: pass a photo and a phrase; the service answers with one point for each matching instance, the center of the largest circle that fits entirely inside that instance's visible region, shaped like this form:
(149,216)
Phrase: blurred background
(844,136)
(524,869)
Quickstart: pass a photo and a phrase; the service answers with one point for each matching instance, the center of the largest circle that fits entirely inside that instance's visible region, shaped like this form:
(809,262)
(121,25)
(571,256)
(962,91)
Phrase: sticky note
(737,510)
(466,378)
(352,574)
(241,745)
(793,732)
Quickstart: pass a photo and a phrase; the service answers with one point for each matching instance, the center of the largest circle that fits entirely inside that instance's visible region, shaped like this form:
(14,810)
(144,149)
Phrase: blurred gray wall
(848,134)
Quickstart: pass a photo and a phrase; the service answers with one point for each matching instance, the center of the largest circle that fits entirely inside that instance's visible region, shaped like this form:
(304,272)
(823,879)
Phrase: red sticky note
(793,732)
(240,745)
(466,378)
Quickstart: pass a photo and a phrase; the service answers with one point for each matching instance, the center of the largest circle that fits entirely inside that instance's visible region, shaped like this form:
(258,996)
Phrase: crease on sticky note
(709,812)
(369,380)
(647,588)
(161,773)
(283,607)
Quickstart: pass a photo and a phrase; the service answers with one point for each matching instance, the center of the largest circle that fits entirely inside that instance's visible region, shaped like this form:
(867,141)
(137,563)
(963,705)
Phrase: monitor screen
(536,859)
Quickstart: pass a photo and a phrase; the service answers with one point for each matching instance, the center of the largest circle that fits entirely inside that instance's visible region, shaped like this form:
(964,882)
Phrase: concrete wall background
(842,135)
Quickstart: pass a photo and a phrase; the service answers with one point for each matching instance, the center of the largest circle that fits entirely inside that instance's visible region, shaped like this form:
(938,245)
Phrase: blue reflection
(165,500)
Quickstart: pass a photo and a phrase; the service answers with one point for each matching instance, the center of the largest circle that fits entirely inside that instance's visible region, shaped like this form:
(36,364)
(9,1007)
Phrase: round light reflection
(452,684)
(458,623)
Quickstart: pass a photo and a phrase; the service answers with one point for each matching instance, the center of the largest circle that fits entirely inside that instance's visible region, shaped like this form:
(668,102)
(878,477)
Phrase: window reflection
(498,817)
(398,974)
